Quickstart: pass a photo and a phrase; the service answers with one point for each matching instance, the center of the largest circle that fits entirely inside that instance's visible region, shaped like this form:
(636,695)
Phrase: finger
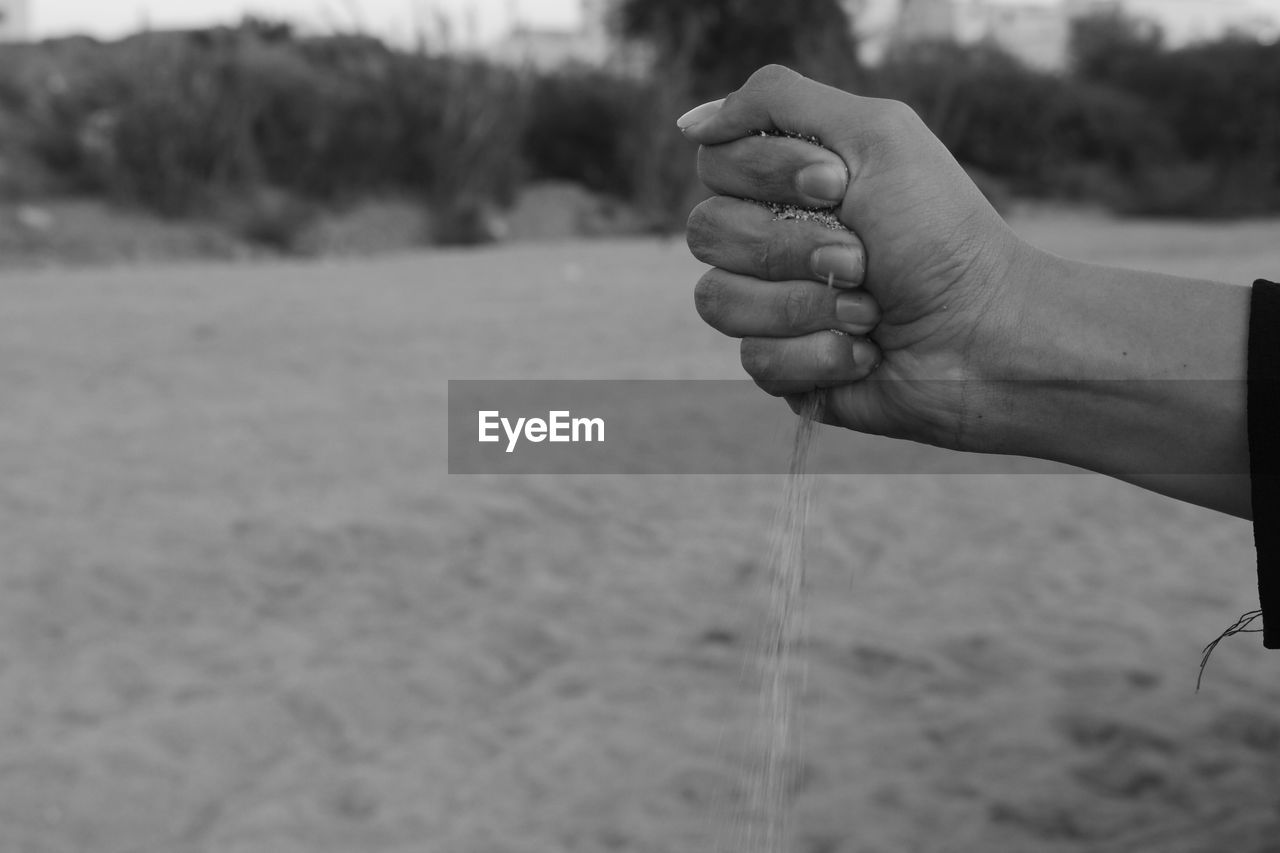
(698,113)
(772,98)
(741,307)
(783,366)
(777,98)
(744,237)
(774,168)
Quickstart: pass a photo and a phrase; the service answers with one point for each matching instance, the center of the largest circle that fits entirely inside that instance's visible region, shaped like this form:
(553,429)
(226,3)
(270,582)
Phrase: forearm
(1133,374)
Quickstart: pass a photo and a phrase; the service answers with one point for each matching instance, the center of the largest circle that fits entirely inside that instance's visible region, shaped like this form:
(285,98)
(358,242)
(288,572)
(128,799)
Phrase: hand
(938,258)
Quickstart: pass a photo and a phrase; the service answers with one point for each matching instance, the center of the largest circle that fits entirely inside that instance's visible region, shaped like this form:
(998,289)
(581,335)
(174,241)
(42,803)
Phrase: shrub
(664,163)
(1122,133)
(988,109)
(179,122)
(268,217)
(182,123)
(1220,102)
(461,132)
(162,123)
(582,125)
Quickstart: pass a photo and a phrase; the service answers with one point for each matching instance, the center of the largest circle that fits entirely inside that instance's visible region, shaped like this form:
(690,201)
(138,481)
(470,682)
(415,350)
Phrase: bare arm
(1133,374)
(984,343)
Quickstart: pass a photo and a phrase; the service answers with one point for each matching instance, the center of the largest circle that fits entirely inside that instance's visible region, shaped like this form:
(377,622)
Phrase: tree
(704,49)
(1106,45)
(714,45)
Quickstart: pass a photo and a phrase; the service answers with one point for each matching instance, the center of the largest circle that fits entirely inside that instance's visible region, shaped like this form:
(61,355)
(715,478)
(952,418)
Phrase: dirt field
(243,608)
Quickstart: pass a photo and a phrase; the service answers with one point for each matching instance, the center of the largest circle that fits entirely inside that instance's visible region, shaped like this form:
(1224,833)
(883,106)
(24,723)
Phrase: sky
(472,21)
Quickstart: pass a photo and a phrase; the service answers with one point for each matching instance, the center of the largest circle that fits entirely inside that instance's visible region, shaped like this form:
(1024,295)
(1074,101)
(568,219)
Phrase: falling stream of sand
(762,828)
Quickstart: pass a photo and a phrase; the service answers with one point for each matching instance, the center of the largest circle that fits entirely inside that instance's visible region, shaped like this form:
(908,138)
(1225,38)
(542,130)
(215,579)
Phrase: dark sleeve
(1264,449)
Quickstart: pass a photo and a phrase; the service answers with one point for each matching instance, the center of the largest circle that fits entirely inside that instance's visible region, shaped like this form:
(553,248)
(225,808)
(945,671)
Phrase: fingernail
(853,308)
(865,353)
(845,263)
(823,181)
(699,113)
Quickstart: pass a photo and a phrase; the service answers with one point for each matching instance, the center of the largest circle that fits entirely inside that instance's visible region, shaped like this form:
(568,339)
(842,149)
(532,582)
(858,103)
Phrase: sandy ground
(243,608)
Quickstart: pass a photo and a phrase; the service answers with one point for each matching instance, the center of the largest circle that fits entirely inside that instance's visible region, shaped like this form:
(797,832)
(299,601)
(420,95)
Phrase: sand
(245,609)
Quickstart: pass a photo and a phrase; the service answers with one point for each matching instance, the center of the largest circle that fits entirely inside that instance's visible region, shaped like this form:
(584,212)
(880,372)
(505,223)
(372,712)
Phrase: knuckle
(765,259)
(831,354)
(709,296)
(708,165)
(796,310)
(700,230)
(773,388)
(899,115)
(770,82)
(774,255)
(771,76)
(757,358)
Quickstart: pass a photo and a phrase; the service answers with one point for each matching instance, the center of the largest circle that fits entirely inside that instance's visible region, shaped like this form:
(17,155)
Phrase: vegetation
(265,126)
(1137,127)
(240,119)
(713,45)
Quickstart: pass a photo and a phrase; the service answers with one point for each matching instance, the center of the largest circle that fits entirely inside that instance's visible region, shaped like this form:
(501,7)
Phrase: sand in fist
(939,260)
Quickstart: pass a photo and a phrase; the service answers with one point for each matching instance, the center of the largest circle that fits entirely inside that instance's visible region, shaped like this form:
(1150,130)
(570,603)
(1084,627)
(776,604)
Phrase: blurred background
(243,607)
(297,127)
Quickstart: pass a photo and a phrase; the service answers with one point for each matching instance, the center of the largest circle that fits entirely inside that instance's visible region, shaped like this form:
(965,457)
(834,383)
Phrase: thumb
(775,98)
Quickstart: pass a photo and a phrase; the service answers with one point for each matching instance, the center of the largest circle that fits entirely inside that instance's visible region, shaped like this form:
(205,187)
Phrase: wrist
(1124,372)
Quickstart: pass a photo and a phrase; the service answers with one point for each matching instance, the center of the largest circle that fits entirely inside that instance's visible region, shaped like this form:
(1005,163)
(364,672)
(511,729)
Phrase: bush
(461,132)
(582,126)
(180,122)
(1028,127)
(664,163)
(1194,132)
(1220,103)
(990,111)
(268,217)
(165,121)
(264,127)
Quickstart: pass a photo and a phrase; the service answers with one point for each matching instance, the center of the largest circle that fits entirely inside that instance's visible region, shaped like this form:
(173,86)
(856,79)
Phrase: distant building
(589,43)
(1185,21)
(14,21)
(546,48)
(926,20)
(1038,33)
